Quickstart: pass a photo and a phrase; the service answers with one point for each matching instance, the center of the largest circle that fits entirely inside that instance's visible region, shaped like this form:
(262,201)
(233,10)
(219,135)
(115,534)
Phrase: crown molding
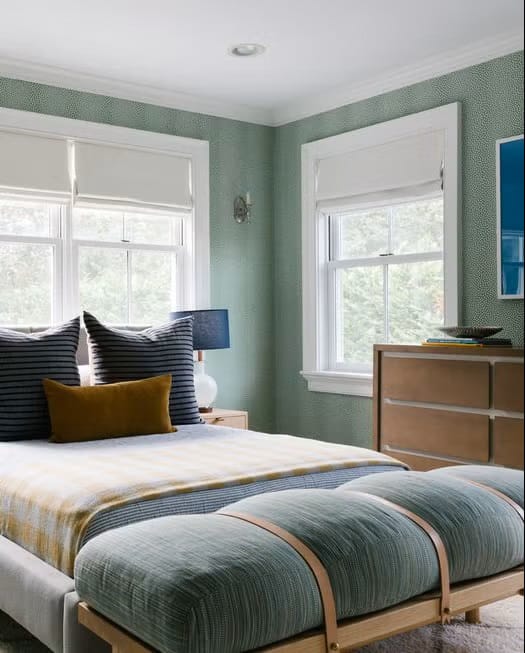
(60,77)
(471,55)
(448,62)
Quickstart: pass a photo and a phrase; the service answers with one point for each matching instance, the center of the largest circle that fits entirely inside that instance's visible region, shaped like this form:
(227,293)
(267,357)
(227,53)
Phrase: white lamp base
(205,388)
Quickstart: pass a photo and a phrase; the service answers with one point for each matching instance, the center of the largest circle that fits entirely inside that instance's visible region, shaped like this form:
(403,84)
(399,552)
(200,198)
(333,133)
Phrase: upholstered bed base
(44,601)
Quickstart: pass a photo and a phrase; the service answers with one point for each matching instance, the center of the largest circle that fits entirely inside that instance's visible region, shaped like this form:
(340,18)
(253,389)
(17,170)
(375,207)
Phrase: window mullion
(333,316)
(69,277)
(129,263)
(390,230)
(334,240)
(386,278)
(386,294)
(177,281)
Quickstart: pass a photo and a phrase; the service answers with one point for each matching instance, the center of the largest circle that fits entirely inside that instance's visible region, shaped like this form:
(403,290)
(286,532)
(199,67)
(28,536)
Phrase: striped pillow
(26,359)
(118,355)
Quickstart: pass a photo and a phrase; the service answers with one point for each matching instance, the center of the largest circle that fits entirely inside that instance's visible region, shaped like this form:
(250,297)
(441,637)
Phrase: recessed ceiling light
(246,50)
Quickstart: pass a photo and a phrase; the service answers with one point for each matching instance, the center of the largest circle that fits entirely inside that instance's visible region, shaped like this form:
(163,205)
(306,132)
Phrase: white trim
(388,259)
(29,240)
(200,184)
(341,383)
(127,246)
(429,68)
(435,66)
(499,142)
(162,97)
(197,150)
(95,132)
(316,358)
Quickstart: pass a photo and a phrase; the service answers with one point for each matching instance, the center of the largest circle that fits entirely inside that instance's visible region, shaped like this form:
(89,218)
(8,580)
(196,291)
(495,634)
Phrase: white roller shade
(409,166)
(117,174)
(34,163)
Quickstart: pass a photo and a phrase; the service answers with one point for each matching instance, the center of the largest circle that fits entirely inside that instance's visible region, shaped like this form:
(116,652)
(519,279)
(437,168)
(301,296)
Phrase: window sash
(57,275)
(54,240)
(332,224)
(335,334)
(334,221)
(66,286)
(177,253)
(176,221)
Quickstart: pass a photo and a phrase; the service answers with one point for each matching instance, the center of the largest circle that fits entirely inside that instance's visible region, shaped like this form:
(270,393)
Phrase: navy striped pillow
(26,359)
(118,355)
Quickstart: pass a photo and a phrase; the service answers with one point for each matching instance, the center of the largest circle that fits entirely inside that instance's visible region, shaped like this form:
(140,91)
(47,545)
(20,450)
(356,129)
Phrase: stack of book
(467,342)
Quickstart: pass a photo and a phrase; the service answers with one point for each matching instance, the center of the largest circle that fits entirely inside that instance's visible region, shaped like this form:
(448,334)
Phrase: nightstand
(222,417)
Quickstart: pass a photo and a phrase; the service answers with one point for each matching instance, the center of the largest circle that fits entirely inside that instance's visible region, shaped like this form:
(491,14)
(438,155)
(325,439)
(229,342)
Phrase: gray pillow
(26,359)
(118,355)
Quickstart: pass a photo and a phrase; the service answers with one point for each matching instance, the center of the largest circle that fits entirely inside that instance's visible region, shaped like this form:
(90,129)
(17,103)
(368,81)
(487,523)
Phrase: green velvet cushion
(213,584)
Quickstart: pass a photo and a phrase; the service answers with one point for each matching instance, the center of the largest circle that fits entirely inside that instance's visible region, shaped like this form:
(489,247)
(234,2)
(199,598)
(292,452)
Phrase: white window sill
(341,383)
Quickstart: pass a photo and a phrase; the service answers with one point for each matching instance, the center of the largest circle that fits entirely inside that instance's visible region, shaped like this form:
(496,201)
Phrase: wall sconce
(242,209)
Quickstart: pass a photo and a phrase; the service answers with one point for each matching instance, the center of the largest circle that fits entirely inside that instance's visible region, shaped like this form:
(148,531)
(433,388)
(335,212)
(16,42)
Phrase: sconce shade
(211,329)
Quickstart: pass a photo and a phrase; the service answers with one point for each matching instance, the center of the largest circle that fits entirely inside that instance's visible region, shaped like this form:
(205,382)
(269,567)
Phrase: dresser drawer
(508,442)
(437,381)
(459,435)
(419,462)
(508,386)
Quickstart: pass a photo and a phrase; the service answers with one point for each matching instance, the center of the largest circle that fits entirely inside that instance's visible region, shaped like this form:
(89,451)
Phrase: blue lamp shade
(211,328)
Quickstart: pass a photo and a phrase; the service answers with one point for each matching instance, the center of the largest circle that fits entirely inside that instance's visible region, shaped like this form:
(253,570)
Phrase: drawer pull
(218,419)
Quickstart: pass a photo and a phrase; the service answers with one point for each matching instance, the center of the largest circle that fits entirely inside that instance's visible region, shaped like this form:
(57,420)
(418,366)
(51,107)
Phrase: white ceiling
(319,54)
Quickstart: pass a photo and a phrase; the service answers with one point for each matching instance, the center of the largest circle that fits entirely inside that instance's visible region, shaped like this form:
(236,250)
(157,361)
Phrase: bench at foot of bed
(378,556)
(353,633)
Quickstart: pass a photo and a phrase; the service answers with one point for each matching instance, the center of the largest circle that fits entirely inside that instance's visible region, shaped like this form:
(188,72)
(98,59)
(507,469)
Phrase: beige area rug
(501,631)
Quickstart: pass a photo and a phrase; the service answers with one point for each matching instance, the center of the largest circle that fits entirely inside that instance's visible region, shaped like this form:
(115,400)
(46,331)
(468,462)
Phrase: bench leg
(473,616)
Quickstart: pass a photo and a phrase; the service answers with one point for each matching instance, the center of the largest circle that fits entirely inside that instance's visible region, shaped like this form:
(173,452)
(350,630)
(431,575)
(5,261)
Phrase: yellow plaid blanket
(50,493)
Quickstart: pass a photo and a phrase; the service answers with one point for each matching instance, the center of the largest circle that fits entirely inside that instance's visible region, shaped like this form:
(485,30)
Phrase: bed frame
(353,633)
(43,599)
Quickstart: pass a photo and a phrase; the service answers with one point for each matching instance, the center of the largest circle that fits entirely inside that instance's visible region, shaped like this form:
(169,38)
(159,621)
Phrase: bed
(56,498)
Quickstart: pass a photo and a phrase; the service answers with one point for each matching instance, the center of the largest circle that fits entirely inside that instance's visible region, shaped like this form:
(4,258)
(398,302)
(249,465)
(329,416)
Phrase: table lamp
(210,331)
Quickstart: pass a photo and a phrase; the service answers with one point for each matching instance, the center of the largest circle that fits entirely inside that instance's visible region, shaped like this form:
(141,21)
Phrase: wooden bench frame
(353,633)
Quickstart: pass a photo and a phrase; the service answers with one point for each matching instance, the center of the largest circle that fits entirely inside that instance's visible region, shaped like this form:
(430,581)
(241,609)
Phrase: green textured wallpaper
(256,269)
(491,95)
(241,255)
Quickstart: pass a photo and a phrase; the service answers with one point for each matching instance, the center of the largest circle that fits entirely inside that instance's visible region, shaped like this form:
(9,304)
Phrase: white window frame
(315,233)
(194,286)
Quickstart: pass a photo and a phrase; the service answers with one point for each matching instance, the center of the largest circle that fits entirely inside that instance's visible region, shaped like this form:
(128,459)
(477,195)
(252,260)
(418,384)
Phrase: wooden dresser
(439,406)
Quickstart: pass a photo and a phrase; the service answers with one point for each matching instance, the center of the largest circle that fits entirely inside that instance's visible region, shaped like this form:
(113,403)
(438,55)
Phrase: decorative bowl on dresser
(440,406)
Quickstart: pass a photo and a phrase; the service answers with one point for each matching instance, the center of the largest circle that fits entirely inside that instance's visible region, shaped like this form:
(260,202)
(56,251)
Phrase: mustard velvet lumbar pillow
(79,414)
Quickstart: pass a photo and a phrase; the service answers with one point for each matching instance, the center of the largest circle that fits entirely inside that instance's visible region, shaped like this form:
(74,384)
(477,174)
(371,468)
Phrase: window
(117,225)
(380,244)
(129,266)
(385,273)
(126,267)
(30,257)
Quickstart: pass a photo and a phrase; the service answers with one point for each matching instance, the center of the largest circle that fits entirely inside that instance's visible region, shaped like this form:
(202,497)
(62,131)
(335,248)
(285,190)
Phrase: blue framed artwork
(509,165)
